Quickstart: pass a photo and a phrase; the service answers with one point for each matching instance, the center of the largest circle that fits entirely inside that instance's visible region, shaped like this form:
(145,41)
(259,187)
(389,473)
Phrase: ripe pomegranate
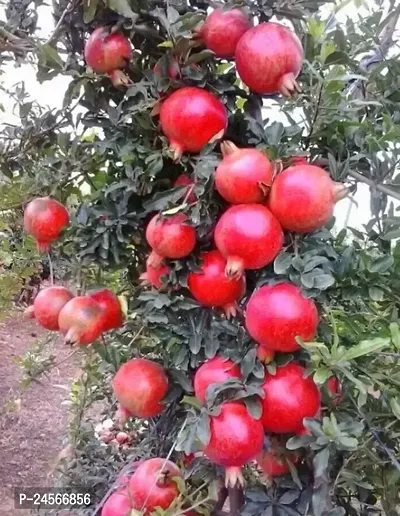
(184,180)
(122,415)
(249,237)
(268,59)
(153,276)
(139,386)
(215,370)
(289,398)
(169,238)
(211,286)
(111,307)
(274,462)
(173,71)
(44,219)
(236,438)
(222,30)
(303,197)
(47,306)
(244,175)
(152,485)
(81,320)
(190,118)
(118,504)
(265,355)
(277,314)
(335,390)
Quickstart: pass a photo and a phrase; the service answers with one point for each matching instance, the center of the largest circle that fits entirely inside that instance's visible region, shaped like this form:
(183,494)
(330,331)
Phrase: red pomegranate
(211,286)
(47,306)
(81,320)
(277,314)
(112,312)
(153,276)
(152,485)
(185,180)
(244,175)
(122,415)
(169,238)
(335,390)
(268,59)
(215,370)
(236,438)
(265,355)
(222,30)
(44,219)
(118,504)
(303,197)
(139,386)
(274,462)
(289,398)
(172,72)
(249,237)
(190,118)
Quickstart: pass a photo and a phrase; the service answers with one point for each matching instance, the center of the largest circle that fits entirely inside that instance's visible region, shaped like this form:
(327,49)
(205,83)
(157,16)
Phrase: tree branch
(67,10)
(381,188)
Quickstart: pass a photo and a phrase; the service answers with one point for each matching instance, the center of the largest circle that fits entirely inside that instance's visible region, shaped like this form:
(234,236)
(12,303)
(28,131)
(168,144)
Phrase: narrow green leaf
(320,463)
(395,331)
(121,7)
(395,406)
(365,347)
(282,263)
(89,10)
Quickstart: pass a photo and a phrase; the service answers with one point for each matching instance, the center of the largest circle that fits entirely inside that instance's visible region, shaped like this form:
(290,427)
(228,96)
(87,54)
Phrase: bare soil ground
(33,420)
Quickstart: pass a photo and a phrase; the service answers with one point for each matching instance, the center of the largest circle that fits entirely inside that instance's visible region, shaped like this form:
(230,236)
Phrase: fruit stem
(154,260)
(340,191)
(289,85)
(234,267)
(236,500)
(228,147)
(177,150)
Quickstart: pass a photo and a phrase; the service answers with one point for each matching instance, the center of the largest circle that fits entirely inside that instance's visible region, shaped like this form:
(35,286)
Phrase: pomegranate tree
(244,175)
(190,118)
(277,314)
(111,307)
(81,320)
(44,219)
(269,58)
(47,306)
(139,386)
(215,370)
(211,287)
(249,237)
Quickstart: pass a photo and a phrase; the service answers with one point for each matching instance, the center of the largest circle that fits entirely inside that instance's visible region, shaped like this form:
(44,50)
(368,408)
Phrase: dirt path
(33,419)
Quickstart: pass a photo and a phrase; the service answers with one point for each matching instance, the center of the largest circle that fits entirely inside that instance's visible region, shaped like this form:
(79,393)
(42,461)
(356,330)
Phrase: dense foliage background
(103,155)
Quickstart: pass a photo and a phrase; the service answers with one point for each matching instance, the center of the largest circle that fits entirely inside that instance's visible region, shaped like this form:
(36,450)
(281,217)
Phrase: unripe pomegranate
(303,198)
(268,59)
(236,438)
(289,398)
(222,30)
(111,307)
(215,370)
(47,306)
(81,320)
(153,276)
(139,386)
(211,286)
(249,237)
(184,180)
(118,504)
(244,175)
(152,485)
(335,390)
(190,118)
(44,219)
(169,238)
(265,355)
(274,462)
(277,314)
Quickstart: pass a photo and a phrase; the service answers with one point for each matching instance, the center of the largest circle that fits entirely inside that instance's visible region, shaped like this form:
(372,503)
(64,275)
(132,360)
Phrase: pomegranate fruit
(122,415)
(303,197)
(277,314)
(139,386)
(81,320)
(236,438)
(111,307)
(119,502)
(172,70)
(274,462)
(268,59)
(169,238)
(335,390)
(47,306)
(215,370)
(249,237)
(190,118)
(289,398)
(244,175)
(153,276)
(222,30)
(44,219)
(152,485)
(211,286)
(185,180)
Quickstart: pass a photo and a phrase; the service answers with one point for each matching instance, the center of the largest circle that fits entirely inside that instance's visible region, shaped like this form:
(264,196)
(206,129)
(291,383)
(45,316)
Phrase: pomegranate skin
(139,386)
(153,276)
(118,504)
(184,180)
(276,315)
(111,307)
(48,305)
(81,321)
(44,219)
(335,390)
(236,437)
(273,463)
(244,175)
(211,286)
(248,236)
(268,59)
(190,118)
(222,31)
(106,52)
(289,398)
(303,198)
(215,370)
(152,485)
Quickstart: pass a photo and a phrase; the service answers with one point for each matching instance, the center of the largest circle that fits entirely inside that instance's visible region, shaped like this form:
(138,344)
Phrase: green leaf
(320,463)
(166,44)
(391,235)
(347,443)
(282,263)
(254,406)
(365,347)
(395,331)
(200,56)
(336,58)
(49,57)
(321,375)
(193,401)
(375,293)
(314,262)
(203,429)
(248,362)
(382,264)
(89,10)
(395,406)
(323,281)
(122,7)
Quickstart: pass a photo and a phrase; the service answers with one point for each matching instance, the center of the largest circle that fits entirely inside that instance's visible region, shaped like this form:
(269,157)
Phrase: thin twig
(381,188)
(51,268)
(67,10)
